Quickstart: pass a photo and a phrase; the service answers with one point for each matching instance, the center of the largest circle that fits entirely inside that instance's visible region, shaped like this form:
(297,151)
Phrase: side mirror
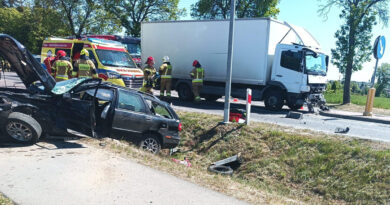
(67,96)
(327,62)
(105,111)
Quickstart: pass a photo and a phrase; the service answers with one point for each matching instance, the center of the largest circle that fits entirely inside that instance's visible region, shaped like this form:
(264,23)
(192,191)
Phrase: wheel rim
(19,131)
(272,101)
(150,145)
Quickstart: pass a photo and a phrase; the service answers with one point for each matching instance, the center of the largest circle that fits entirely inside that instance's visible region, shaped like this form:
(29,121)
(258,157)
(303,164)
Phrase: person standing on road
(49,62)
(149,72)
(84,67)
(166,77)
(62,68)
(197,75)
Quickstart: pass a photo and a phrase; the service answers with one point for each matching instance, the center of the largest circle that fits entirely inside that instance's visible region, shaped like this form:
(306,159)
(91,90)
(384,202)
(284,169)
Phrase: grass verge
(4,200)
(337,98)
(281,165)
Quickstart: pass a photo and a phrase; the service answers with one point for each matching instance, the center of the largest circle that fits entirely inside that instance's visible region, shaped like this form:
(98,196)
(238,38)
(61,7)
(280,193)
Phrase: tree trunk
(348,69)
(347,84)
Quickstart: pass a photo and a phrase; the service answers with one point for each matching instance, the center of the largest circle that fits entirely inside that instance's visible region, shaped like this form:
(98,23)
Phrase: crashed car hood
(26,66)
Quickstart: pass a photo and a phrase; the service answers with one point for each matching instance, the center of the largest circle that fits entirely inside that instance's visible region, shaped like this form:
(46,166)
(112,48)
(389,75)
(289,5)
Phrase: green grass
(4,200)
(300,166)
(337,98)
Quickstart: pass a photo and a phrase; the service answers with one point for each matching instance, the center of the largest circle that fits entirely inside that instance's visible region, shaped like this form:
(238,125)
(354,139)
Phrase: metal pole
(229,63)
(373,75)
(248,105)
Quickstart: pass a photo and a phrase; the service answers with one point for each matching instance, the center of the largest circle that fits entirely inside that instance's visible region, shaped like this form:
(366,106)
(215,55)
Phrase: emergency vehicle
(111,59)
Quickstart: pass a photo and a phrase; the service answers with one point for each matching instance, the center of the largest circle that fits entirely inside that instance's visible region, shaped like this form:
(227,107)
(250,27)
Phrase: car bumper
(170,141)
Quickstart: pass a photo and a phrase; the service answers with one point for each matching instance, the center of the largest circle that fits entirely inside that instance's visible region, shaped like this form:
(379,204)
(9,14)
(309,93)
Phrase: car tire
(185,92)
(273,100)
(151,144)
(22,128)
(212,98)
(220,169)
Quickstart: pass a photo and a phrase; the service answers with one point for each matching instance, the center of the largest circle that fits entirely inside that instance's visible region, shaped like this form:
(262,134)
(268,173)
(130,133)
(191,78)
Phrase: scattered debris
(342,130)
(102,144)
(226,166)
(294,115)
(237,115)
(185,162)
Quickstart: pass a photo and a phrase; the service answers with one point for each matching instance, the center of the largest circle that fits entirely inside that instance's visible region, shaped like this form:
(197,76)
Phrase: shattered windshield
(65,86)
(115,58)
(316,65)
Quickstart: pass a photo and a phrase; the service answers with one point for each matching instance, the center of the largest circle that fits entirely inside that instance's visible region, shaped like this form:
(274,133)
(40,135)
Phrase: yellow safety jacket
(149,72)
(84,68)
(63,69)
(197,75)
(166,71)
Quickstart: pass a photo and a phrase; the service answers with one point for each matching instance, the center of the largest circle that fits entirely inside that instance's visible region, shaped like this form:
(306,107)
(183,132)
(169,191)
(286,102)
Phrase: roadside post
(229,63)
(378,51)
(248,105)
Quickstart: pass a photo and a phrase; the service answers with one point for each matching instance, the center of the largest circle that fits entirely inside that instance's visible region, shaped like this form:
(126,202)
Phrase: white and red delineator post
(248,104)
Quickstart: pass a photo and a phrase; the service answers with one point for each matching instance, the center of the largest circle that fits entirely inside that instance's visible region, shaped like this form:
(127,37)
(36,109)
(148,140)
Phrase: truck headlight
(113,75)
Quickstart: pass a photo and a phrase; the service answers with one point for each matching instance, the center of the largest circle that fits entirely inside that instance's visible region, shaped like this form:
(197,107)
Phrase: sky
(303,13)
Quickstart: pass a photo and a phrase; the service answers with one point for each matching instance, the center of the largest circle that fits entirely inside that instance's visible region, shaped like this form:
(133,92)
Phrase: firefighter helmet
(150,59)
(195,63)
(165,59)
(61,53)
(84,52)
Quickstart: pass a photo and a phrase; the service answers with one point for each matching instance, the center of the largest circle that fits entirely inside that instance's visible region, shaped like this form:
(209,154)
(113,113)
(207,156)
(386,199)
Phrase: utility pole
(229,63)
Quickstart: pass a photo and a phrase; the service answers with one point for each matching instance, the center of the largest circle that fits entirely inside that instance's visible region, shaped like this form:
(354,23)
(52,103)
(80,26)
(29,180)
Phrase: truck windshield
(134,48)
(315,65)
(115,58)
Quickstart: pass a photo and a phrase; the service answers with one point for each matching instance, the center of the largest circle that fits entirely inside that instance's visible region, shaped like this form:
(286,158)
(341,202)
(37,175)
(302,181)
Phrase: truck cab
(298,73)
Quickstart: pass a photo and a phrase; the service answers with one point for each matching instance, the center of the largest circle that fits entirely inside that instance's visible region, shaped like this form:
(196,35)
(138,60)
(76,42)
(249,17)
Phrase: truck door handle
(148,118)
(279,76)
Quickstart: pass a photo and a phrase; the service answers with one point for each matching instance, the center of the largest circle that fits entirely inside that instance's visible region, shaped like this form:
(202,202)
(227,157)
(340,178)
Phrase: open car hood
(22,61)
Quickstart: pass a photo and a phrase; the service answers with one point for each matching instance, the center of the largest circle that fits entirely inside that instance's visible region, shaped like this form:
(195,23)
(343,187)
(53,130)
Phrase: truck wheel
(151,144)
(273,100)
(22,128)
(212,98)
(294,106)
(185,92)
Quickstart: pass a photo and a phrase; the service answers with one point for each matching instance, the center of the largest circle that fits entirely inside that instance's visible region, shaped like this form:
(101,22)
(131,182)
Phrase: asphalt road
(365,130)
(73,173)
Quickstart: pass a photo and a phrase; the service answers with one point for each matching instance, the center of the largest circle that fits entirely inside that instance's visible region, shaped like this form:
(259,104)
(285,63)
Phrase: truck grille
(132,83)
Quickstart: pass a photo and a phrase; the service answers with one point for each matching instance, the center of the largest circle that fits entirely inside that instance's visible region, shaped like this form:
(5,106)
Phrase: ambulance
(112,61)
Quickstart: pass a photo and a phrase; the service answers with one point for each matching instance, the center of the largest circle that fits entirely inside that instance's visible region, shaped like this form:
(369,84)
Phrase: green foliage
(130,13)
(336,86)
(337,98)
(355,87)
(383,76)
(220,9)
(18,23)
(353,45)
(294,165)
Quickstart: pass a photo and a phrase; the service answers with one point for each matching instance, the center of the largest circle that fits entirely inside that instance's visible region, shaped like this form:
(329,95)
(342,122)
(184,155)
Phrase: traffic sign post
(378,51)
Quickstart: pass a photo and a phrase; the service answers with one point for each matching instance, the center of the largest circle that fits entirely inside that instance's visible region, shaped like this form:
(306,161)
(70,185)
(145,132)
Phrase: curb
(365,119)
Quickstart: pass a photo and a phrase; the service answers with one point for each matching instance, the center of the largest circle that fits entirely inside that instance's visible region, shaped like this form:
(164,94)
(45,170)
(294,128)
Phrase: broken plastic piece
(185,162)
(341,130)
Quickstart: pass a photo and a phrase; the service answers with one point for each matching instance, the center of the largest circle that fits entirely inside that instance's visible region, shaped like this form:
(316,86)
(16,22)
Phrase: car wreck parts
(226,166)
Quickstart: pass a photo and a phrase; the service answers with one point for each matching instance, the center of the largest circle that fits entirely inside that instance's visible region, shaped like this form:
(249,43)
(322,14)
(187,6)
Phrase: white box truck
(281,63)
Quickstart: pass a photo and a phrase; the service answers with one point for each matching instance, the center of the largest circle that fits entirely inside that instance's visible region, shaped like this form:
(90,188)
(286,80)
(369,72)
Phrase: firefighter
(197,75)
(62,68)
(49,62)
(149,72)
(166,77)
(84,67)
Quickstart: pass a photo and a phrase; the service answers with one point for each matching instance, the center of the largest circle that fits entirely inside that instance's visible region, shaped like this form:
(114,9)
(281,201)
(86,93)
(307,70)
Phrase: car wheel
(185,92)
(22,128)
(273,100)
(150,144)
(212,98)
(220,169)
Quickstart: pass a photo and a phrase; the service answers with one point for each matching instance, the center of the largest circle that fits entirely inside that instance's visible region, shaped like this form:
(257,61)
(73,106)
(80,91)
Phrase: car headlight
(113,75)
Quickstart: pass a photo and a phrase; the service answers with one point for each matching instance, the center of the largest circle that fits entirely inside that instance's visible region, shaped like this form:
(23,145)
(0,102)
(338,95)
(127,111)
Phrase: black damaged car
(87,106)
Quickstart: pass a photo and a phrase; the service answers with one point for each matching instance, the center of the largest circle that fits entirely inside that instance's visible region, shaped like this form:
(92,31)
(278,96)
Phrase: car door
(130,114)
(163,120)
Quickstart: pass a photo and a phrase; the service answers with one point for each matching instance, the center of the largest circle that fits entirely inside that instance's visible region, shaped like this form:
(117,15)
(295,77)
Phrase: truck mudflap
(315,101)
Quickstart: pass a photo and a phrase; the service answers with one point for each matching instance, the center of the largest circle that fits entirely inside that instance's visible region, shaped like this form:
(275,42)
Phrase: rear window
(158,109)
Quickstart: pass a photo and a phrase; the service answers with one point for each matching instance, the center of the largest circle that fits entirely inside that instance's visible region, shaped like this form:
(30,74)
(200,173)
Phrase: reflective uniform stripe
(166,76)
(197,80)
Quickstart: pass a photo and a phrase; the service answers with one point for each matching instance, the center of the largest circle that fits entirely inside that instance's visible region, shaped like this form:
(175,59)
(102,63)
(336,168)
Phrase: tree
(355,87)
(383,76)
(220,9)
(131,13)
(11,3)
(353,46)
(336,86)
